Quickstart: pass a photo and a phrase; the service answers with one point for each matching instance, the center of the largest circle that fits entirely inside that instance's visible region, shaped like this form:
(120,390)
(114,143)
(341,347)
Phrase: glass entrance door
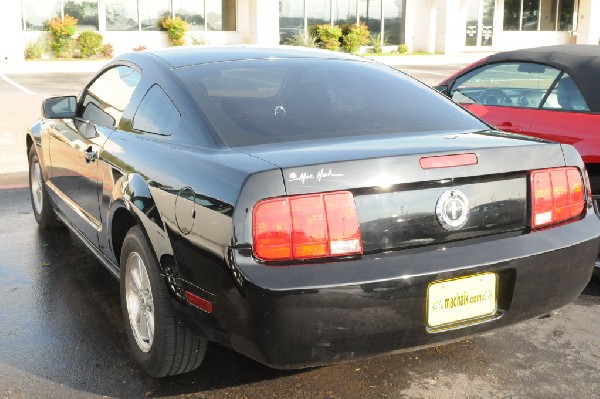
(480,23)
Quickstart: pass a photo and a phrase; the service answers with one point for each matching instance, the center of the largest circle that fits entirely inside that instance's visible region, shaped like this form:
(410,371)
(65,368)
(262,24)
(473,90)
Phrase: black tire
(172,348)
(40,200)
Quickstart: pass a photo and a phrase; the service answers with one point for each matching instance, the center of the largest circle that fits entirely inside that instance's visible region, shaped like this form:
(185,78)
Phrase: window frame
(81,106)
(542,103)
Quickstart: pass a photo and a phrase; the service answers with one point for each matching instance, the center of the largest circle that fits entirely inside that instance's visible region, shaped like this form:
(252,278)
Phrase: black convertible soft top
(580,61)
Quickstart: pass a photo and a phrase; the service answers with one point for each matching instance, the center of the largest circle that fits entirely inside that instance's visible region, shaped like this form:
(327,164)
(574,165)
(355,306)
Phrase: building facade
(442,26)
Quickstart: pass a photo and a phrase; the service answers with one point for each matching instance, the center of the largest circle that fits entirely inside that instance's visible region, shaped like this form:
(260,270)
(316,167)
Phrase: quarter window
(566,96)
(514,84)
(156,113)
(106,99)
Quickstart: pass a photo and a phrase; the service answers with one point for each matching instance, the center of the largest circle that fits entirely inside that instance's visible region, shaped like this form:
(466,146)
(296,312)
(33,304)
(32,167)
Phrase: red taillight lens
(306,226)
(556,195)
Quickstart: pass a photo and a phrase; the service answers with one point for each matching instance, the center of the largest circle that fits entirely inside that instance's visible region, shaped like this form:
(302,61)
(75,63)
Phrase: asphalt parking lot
(62,334)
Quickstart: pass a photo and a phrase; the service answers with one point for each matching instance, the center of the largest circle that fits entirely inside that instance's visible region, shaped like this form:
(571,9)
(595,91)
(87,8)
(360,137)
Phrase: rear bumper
(310,315)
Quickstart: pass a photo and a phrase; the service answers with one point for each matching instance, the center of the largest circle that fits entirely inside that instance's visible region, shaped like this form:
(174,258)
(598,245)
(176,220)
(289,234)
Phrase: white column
(264,22)
(588,26)
(13,40)
(421,17)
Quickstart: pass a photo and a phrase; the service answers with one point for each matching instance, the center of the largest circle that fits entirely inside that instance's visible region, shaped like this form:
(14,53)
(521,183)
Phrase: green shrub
(299,39)
(61,34)
(354,36)
(377,43)
(90,43)
(35,49)
(198,40)
(176,30)
(328,36)
(403,48)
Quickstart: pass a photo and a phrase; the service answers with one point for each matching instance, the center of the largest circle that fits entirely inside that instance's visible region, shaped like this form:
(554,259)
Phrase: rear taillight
(556,195)
(306,226)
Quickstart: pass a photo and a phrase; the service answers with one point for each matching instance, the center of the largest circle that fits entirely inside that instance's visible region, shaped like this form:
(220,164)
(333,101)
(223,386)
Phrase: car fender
(33,137)
(132,194)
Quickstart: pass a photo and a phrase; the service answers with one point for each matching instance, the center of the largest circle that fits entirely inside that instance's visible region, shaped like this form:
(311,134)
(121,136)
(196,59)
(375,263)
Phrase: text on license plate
(464,298)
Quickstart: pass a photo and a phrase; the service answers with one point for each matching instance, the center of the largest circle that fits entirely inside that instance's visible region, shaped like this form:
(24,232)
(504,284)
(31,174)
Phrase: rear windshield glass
(265,101)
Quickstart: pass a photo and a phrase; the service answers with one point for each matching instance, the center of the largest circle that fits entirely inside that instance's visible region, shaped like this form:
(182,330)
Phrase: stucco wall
(588,21)
(12,42)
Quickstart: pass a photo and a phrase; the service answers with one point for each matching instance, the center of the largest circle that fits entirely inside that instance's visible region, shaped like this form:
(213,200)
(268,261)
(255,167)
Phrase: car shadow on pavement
(62,327)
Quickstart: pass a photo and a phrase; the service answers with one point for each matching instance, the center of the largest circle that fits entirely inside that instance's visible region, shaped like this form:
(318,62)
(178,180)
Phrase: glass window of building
(214,15)
(512,14)
(35,13)
(191,11)
(344,12)
(291,19)
(543,15)
(393,14)
(318,12)
(121,15)
(530,18)
(472,28)
(86,12)
(152,13)
(294,13)
(566,11)
(370,14)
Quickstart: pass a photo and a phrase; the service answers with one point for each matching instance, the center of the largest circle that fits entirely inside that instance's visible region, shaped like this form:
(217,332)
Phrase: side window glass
(566,95)
(156,113)
(515,84)
(106,99)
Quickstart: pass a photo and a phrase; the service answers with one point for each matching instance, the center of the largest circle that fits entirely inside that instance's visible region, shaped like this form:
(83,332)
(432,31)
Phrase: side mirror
(59,107)
(444,89)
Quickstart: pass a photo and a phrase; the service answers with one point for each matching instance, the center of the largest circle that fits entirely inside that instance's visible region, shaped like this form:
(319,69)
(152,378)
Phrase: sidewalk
(78,66)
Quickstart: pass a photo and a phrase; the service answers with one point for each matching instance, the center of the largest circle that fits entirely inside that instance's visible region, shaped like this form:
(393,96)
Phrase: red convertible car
(550,92)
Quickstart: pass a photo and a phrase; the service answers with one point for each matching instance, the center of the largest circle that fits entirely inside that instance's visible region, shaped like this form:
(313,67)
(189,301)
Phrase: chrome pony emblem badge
(452,210)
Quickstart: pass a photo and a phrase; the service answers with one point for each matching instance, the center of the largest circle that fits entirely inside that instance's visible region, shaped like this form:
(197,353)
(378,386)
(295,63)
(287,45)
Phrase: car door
(506,95)
(75,146)
(565,117)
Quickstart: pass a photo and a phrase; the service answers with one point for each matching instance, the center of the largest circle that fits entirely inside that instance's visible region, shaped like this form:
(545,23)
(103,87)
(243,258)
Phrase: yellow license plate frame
(460,300)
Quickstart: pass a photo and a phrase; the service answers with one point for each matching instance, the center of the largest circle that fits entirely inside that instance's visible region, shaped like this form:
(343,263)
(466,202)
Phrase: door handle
(90,155)
(509,127)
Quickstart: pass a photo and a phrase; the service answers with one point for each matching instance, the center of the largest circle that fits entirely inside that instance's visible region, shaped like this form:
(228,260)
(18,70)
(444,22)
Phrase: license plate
(460,299)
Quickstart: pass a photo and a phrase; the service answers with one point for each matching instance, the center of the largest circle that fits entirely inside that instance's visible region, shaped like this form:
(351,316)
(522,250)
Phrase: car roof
(580,61)
(178,57)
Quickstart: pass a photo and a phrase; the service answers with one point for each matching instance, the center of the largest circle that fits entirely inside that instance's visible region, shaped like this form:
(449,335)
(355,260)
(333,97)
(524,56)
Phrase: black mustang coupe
(305,207)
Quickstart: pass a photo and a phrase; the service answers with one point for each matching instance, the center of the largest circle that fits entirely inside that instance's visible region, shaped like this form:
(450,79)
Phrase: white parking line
(18,86)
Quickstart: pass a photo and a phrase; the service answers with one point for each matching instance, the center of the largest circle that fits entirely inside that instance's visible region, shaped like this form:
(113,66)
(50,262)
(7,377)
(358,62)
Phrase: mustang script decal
(322,174)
